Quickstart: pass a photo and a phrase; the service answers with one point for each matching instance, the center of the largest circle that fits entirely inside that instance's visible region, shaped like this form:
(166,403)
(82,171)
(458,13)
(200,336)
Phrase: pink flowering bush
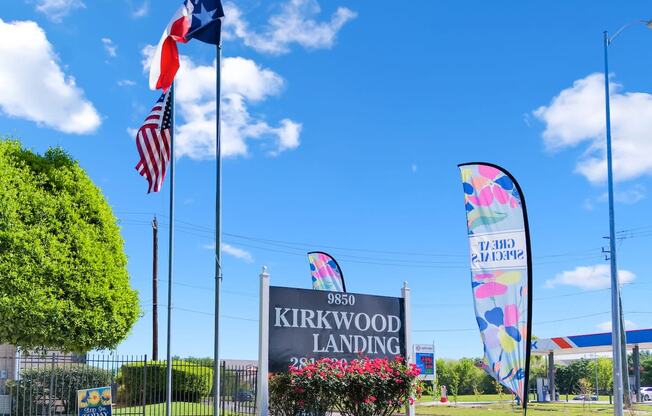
(310,389)
(366,387)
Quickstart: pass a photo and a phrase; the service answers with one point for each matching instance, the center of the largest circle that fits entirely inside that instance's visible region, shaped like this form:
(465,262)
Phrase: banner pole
(218,231)
(262,382)
(168,396)
(409,358)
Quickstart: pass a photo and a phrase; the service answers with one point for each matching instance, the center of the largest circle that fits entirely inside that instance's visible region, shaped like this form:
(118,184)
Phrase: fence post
(145,386)
(51,392)
(236,393)
(222,403)
(262,385)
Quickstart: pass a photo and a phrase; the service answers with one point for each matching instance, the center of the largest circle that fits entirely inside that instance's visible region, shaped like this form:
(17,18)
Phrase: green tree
(605,370)
(646,371)
(487,383)
(444,372)
(538,369)
(454,383)
(469,376)
(63,275)
(567,377)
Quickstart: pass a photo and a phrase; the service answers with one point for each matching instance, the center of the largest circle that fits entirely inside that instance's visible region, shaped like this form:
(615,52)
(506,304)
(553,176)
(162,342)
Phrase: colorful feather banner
(501,272)
(326,273)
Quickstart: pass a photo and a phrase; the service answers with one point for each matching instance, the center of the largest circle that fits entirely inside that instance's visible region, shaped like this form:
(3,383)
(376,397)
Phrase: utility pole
(155,289)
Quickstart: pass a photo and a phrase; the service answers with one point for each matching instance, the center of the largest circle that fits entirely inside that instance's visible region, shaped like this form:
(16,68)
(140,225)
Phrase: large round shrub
(63,275)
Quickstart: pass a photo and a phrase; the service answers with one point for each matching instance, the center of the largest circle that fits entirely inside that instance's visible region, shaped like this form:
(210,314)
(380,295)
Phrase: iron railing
(46,385)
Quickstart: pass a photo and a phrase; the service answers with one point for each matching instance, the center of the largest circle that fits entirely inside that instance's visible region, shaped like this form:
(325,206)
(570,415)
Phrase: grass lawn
(178,408)
(494,409)
(470,398)
(535,409)
(495,398)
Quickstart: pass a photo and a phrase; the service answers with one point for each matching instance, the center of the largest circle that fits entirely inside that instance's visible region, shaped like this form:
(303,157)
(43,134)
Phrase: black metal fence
(47,384)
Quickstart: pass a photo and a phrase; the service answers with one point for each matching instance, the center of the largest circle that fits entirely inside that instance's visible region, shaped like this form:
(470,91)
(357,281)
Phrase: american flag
(153,141)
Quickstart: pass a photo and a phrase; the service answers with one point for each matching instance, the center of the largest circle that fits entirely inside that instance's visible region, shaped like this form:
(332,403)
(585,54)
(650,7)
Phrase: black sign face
(306,325)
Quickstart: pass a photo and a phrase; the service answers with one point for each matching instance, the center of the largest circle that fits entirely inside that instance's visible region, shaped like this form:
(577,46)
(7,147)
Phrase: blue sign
(426,363)
(95,402)
(424,358)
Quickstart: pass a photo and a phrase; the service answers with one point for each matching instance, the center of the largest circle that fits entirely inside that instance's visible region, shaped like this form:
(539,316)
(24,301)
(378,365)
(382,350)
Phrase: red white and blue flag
(153,140)
(195,19)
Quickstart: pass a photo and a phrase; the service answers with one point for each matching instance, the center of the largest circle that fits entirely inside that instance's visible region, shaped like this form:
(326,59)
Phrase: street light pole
(615,288)
(617,335)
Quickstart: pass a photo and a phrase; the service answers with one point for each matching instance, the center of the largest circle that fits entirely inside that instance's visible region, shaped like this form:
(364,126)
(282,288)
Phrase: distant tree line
(466,376)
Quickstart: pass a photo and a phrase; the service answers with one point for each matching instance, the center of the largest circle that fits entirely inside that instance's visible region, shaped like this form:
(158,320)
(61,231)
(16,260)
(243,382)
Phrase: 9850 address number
(343,299)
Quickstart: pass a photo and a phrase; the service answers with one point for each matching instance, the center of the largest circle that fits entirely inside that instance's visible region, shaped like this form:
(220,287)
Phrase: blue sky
(344,123)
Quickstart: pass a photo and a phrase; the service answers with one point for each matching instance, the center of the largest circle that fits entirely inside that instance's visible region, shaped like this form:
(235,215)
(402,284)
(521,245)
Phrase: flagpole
(218,230)
(168,399)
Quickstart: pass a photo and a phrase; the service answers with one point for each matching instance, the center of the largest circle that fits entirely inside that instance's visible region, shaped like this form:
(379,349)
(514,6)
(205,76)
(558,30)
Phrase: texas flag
(195,19)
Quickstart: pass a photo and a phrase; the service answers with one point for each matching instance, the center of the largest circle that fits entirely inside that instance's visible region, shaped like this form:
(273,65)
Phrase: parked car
(646,394)
(586,397)
(244,396)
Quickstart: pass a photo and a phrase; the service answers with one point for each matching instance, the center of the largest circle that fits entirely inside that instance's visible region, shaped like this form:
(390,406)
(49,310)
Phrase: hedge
(190,382)
(34,386)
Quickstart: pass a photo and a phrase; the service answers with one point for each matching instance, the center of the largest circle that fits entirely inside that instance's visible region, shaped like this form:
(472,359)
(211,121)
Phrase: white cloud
(632,195)
(294,23)
(589,277)
(126,83)
(56,10)
(576,116)
(237,253)
(243,83)
(233,251)
(588,204)
(141,11)
(110,47)
(629,196)
(34,87)
(606,326)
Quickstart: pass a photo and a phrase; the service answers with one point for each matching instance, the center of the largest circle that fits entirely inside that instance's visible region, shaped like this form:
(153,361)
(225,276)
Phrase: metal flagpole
(168,399)
(615,288)
(155,289)
(218,230)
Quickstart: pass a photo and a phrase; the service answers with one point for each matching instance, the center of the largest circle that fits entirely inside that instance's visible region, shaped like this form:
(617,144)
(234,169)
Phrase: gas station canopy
(579,344)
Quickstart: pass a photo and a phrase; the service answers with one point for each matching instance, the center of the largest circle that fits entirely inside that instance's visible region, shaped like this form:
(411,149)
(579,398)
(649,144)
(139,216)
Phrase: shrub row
(191,382)
(38,385)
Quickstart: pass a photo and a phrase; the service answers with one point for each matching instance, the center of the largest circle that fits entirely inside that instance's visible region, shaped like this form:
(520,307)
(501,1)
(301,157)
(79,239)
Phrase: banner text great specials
(499,250)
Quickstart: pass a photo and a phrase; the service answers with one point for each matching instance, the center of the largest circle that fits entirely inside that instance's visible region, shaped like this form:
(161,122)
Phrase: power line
(553,321)
(192,227)
(237,318)
(563,295)
(286,246)
(210,288)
